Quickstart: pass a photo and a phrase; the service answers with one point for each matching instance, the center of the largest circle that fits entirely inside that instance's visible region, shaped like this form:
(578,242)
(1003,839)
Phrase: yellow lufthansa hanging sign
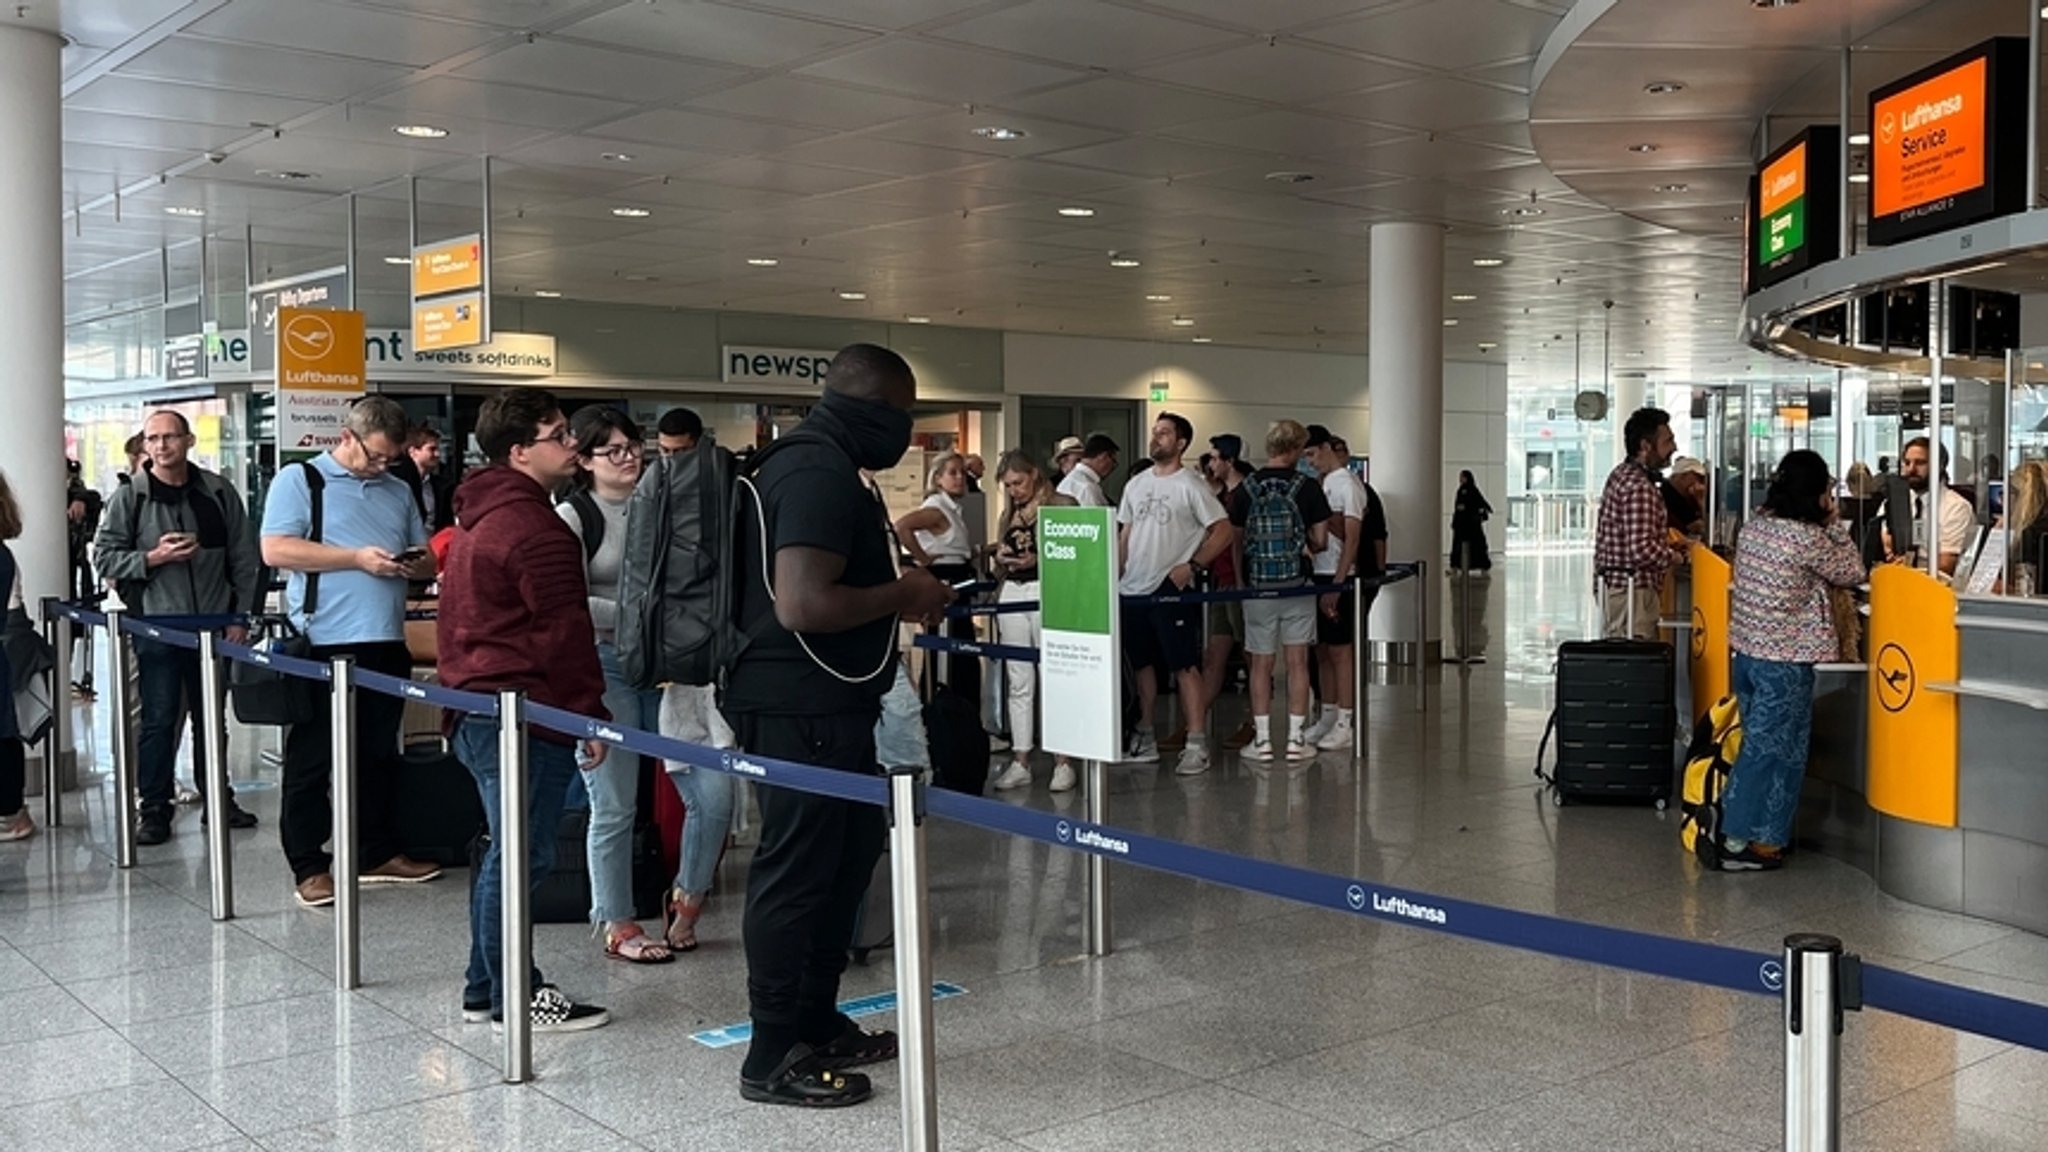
(1711,578)
(1912,643)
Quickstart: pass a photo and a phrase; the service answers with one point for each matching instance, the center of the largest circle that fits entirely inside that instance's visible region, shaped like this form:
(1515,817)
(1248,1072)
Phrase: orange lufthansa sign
(1930,140)
(320,350)
(450,322)
(1783,182)
(450,266)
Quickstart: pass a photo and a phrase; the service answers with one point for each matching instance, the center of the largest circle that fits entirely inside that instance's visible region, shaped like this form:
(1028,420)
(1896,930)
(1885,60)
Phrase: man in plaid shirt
(1632,539)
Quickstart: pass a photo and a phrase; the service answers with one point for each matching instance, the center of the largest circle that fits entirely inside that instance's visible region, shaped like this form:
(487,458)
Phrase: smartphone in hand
(410,556)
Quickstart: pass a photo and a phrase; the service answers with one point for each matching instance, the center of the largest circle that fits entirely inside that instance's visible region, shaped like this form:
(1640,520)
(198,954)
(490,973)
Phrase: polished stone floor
(1223,1021)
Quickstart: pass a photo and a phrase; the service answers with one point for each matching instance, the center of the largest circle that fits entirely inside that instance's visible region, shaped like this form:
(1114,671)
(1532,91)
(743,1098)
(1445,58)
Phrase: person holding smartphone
(175,541)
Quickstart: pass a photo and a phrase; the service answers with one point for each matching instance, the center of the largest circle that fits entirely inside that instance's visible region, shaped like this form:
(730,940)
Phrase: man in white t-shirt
(1335,614)
(1172,528)
(1958,518)
(1084,481)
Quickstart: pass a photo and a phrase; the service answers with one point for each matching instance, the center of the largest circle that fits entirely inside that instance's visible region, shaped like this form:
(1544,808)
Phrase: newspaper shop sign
(793,367)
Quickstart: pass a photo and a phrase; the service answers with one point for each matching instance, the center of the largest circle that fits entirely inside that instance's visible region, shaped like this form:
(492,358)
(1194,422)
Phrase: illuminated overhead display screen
(1948,143)
(1795,221)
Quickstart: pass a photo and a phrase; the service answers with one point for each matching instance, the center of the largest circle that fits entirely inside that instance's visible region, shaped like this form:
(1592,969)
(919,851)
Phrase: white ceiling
(836,137)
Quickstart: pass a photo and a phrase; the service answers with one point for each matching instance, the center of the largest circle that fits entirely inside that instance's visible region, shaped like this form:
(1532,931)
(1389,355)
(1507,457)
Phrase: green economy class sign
(1078,667)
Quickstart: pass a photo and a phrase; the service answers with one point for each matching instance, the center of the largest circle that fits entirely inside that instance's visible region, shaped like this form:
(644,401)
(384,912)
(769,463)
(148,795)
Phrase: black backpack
(590,518)
(676,590)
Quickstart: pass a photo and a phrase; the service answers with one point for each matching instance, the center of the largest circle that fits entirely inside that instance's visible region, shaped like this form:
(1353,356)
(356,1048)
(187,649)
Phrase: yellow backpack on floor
(1716,740)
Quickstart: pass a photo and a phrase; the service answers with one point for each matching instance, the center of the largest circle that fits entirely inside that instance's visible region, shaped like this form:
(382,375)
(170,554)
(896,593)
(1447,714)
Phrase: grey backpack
(676,590)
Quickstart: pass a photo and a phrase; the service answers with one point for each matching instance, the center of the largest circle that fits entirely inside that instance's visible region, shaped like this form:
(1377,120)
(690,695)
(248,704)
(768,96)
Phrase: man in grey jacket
(176,541)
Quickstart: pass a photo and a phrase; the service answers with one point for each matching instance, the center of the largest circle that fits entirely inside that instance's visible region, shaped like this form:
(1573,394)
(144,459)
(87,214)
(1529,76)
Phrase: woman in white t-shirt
(935,535)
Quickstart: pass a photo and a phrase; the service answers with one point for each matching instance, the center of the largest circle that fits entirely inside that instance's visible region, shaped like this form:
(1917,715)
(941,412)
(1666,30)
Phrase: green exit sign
(1159,393)
(1783,232)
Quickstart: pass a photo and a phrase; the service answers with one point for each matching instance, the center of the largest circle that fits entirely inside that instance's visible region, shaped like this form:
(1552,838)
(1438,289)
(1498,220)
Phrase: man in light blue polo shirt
(346,591)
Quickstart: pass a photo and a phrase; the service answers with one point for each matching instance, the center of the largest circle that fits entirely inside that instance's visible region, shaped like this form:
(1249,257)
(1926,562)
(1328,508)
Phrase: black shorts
(1164,636)
(1337,630)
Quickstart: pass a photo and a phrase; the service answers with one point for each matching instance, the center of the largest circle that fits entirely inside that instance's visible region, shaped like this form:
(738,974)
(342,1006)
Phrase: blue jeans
(1776,703)
(614,790)
(169,688)
(692,715)
(549,767)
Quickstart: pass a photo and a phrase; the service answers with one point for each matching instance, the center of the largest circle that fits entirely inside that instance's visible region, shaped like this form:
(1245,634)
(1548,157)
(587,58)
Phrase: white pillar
(1405,370)
(32,303)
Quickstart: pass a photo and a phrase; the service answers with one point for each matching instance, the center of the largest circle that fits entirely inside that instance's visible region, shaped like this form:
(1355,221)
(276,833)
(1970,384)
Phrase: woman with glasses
(609,443)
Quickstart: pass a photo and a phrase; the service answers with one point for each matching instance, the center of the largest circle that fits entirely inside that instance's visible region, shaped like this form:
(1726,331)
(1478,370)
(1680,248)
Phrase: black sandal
(858,1047)
(801,1081)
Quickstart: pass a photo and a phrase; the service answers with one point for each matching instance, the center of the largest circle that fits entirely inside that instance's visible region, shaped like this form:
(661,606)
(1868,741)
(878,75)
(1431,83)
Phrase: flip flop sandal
(647,950)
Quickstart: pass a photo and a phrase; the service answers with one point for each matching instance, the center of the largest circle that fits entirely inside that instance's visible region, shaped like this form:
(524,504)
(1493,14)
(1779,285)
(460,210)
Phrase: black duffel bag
(264,695)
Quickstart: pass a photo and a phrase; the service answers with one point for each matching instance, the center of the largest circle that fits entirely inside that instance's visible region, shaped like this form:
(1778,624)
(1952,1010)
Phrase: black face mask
(877,435)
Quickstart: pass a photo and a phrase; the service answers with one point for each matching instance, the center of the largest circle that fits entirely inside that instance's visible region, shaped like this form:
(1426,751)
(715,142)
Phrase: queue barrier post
(213,740)
(1361,660)
(346,872)
(1101,938)
(916,1037)
(57,741)
(514,871)
(120,693)
(1421,635)
(1820,983)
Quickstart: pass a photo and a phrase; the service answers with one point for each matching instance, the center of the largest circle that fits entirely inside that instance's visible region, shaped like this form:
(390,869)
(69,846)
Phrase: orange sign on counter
(1912,643)
(1711,580)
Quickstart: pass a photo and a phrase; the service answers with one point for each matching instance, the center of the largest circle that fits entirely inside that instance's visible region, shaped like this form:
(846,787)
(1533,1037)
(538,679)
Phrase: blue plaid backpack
(1275,539)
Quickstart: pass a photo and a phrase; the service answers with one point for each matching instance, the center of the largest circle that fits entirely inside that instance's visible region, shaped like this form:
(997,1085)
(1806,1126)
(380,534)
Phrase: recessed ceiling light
(287,174)
(1183,322)
(420,131)
(1642,149)
(763,261)
(1663,87)
(1123,261)
(1077,211)
(1859,139)
(1450,321)
(616,157)
(999,132)
(1669,189)
(853,295)
(640,278)
(1522,210)
(1462,297)
(181,210)
(631,213)
(917,319)
(1859,177)
(1290,177)
(1487,261)
(1201,339)
(1733,218)
(1157,297)
(546,293)
(1772,3)
(1487,345)
(399,261)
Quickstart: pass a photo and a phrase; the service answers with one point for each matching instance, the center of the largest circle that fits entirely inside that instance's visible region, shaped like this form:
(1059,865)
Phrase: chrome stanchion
(514,868)
(916,1055)
(1820,983)
(57,742)
(120,699)
(212,740)
(348,929)
(1360,662)
(1421,635)
(1101,940)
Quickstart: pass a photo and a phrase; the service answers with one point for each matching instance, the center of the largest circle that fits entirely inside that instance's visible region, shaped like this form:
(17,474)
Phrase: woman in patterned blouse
(1779,628)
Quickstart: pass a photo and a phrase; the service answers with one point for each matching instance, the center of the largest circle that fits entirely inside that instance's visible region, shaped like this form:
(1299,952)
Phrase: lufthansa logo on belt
(1896,679)
(1064,831)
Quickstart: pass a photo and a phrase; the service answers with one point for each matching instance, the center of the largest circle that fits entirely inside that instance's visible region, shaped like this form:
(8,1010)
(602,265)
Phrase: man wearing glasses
(175,540)
(346,592)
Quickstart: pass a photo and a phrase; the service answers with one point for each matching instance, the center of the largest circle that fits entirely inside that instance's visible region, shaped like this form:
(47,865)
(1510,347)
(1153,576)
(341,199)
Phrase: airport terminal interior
(1464,236)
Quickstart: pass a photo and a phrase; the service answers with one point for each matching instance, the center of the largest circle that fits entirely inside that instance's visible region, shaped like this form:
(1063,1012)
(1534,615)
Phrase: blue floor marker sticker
(733,1034)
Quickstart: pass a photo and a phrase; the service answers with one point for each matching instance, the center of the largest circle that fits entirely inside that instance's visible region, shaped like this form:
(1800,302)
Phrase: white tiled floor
(1224,1021)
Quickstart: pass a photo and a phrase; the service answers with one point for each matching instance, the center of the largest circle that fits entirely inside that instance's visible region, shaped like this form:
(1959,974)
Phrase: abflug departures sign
(1948,143)
(1796,215)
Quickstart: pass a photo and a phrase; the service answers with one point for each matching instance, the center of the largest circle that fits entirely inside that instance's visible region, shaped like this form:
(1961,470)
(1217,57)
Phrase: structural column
(1628,396)
(32,302)
(1405,371)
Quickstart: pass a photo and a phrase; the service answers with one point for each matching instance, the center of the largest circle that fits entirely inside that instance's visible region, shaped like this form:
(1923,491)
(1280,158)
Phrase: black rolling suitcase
(1612,723)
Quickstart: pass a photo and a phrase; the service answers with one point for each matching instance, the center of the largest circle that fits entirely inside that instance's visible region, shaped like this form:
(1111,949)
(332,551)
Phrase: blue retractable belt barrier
(1964,1009)
(467,703)
(781,773)
(82,615)
(416,614)
(1394,575)
(1010,652)
(276,662)
(1713,964)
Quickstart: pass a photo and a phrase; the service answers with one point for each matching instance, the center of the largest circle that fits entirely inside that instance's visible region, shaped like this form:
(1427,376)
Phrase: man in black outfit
(808,689)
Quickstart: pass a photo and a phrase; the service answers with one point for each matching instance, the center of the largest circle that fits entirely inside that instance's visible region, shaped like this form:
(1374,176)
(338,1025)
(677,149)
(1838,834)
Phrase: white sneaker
(1144,749)
(1300,749)
(1338,738)
(1321,727)
(1194,760)
(1063,777)
(1014,776)
(1260,749)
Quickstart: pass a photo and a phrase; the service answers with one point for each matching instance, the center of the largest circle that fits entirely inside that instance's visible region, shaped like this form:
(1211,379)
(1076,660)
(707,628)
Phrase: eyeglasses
(617,453)
(560,435)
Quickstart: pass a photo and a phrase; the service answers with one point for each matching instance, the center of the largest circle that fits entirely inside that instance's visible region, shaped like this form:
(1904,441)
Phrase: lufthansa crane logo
(1699,633)
(310,337)
(1888,128)
(1895,678)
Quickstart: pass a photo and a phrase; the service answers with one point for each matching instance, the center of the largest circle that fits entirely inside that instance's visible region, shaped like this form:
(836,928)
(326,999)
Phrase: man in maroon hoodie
(514,615)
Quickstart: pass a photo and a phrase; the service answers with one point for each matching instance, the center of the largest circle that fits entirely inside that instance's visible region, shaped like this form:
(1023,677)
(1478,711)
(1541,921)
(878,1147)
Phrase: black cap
(1227,446)
(1319,436)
